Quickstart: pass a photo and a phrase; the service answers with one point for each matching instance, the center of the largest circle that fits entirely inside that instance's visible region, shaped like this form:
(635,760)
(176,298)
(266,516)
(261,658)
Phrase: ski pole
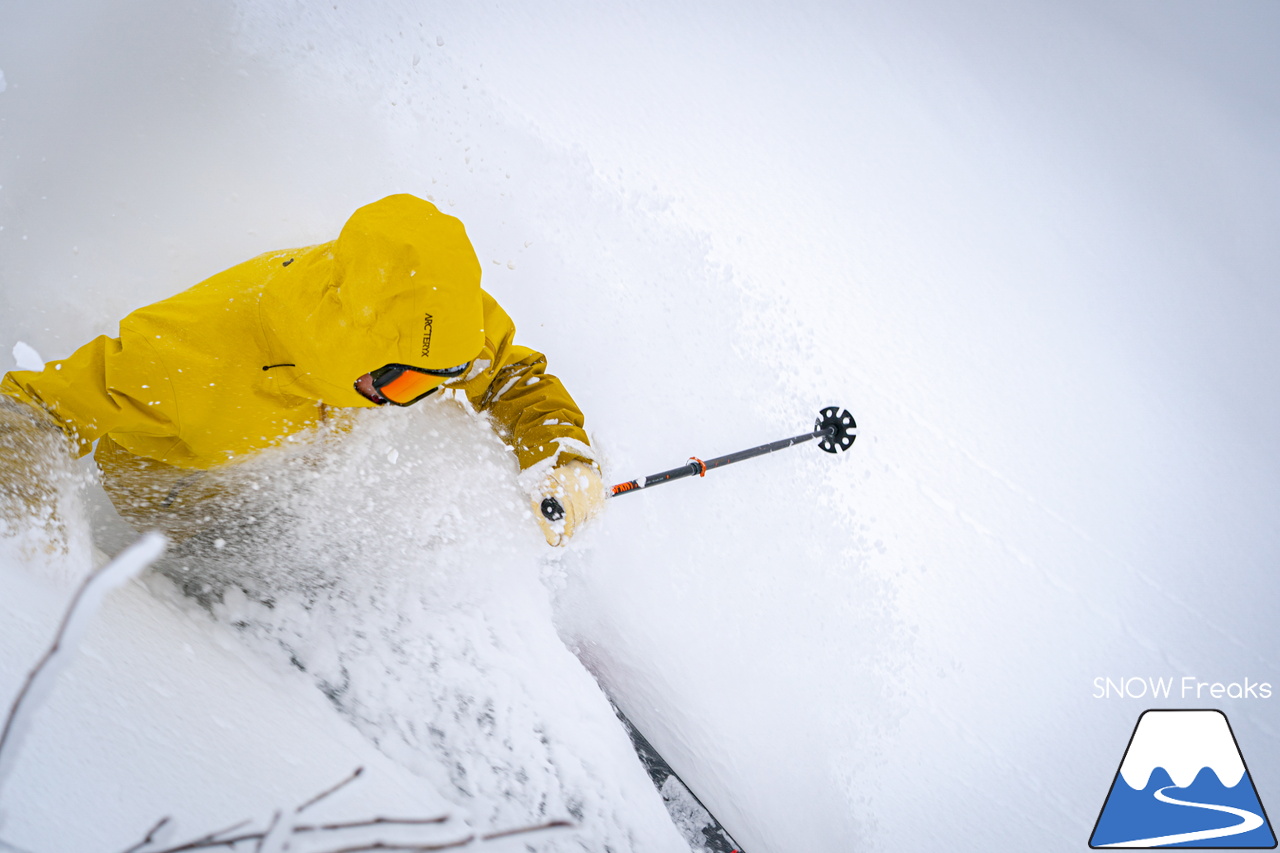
(835,428)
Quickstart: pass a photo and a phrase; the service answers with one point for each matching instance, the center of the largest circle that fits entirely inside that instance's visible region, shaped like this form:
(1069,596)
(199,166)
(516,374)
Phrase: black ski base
(715,838)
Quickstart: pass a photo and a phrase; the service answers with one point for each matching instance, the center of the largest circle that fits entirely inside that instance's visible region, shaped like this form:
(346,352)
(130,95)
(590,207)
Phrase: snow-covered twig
(281,828)
(278,831)
(213,840)
(458,842)
(355,774)
(204,841)
(372,822)
(75,621)
(150,837)
(525,830)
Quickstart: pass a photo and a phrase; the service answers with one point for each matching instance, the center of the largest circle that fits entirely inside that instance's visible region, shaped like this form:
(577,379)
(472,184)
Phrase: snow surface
(84,605)
(1030,245)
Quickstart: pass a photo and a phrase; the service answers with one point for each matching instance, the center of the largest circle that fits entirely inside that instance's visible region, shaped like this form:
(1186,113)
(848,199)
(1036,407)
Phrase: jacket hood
(400,285)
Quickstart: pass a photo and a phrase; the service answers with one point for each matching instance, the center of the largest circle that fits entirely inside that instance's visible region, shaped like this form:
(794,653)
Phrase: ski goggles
(402,385)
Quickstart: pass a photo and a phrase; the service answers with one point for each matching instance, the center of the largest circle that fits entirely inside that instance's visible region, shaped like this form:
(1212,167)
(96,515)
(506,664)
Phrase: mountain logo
(1183,783)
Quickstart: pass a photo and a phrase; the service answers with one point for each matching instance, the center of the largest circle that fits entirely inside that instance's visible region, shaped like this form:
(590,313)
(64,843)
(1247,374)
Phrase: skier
(389,313)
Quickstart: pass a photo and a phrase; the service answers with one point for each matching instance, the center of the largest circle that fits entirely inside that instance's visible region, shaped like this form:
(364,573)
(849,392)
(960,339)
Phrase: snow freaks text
(1186,687)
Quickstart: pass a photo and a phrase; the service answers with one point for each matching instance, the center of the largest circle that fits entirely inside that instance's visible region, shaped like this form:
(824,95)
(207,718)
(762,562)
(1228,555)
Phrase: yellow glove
(580,492)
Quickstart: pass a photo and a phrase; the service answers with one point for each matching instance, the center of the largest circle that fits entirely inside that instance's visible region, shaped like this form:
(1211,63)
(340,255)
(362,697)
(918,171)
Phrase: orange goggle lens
(404,385)
(409,387)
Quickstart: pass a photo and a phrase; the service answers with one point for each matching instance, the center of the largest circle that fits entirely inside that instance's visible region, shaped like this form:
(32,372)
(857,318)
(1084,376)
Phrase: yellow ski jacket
(257,352)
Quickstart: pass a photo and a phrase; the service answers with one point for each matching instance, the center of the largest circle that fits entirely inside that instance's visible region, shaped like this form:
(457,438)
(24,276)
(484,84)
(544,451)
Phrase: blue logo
(1183,783)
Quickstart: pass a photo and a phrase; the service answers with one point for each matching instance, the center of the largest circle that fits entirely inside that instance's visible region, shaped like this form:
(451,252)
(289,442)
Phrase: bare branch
(405,848)
(377,821)
(449,845)
(553,824)
(212,840)
(320,796)
(262,842)
(151,835)
(225,838)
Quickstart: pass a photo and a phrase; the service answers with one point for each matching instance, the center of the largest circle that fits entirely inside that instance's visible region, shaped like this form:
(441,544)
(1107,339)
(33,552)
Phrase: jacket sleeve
(530,408)
(108,385)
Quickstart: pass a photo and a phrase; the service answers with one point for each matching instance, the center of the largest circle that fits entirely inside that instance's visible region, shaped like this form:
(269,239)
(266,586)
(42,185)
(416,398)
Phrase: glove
(578,488)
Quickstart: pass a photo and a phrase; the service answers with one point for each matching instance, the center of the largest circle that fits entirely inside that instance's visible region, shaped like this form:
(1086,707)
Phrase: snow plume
(42,517)
(394,559)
